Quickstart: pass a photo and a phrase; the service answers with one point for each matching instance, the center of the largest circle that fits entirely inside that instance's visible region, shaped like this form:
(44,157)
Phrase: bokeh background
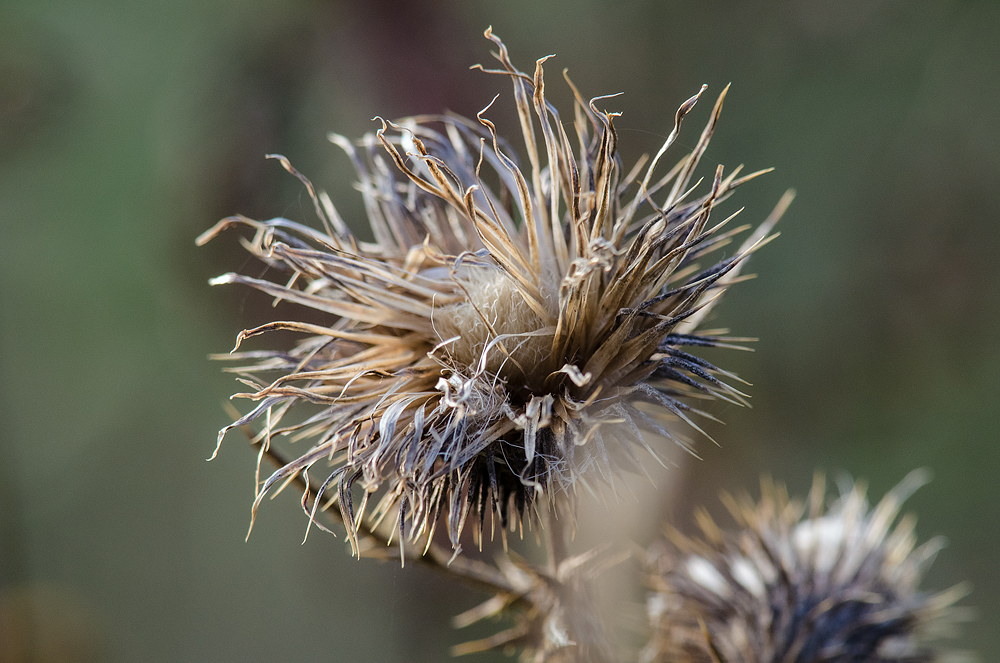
(128,127)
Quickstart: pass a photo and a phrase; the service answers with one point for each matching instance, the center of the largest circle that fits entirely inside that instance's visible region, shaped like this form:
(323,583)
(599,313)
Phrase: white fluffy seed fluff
(493,309)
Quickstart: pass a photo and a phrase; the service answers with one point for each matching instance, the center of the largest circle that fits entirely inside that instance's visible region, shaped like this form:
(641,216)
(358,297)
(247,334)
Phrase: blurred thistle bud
(556,619)
(838,585)
(511,330)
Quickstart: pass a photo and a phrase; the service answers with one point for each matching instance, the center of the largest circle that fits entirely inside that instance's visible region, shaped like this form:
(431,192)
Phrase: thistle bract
(513,327)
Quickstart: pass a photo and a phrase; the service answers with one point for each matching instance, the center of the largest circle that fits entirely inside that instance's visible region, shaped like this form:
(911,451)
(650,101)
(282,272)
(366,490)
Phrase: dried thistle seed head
(496,342)
(838,586)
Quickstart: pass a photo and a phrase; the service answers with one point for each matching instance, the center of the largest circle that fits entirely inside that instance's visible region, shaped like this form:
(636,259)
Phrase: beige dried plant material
(517,323)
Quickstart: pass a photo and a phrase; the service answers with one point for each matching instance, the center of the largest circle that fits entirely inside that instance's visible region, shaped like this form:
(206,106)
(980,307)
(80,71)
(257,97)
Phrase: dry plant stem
(555,538)
(580,620)
(473,573)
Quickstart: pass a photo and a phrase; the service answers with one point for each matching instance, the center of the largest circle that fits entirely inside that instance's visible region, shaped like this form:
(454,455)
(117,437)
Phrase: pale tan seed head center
(492,297)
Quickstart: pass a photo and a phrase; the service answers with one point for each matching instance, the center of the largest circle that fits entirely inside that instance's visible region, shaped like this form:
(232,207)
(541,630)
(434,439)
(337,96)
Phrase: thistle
(840,585)
(511,330)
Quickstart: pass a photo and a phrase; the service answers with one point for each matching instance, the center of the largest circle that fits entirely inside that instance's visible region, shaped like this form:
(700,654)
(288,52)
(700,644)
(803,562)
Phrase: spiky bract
(833,586)
(480,350)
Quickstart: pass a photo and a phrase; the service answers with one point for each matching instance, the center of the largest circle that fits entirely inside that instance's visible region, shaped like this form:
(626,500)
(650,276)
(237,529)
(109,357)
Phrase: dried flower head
(509,330)
(838,586)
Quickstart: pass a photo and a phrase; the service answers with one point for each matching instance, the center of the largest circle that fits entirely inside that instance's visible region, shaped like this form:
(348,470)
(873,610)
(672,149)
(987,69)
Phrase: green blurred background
(128,127)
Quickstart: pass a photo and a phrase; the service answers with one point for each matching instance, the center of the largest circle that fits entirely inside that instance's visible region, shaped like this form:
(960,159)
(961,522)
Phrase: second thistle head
(832,585)
(513,327)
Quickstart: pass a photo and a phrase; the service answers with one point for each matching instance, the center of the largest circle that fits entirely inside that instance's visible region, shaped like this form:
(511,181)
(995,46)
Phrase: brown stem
(555,538)
(576,615)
